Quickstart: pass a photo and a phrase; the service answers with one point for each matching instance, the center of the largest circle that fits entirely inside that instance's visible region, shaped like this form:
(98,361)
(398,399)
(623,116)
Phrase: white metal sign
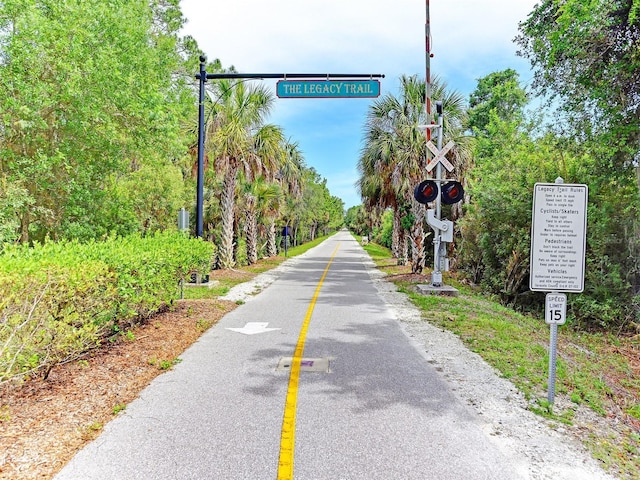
(558,237)
(440,156)
(555,308)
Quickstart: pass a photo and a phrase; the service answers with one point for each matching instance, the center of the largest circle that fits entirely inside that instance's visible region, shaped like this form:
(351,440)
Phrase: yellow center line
(287,437)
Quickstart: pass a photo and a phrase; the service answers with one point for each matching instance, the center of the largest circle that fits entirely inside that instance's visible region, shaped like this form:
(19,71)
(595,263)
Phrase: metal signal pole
(428,73)
(438,189)
(436,275)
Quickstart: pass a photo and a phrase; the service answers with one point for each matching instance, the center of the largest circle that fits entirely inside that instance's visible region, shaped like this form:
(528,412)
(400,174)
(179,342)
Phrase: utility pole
(428,72)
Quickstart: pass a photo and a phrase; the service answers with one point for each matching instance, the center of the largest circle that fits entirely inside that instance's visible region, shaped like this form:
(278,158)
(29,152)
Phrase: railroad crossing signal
(452,192)
(427,191)
(439,156)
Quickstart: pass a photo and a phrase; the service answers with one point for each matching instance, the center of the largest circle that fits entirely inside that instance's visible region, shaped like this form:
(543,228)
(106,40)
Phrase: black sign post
(200,186)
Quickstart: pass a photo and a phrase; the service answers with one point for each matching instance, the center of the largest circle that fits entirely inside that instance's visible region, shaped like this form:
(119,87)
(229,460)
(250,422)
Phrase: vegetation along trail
(362,383)
(99,158)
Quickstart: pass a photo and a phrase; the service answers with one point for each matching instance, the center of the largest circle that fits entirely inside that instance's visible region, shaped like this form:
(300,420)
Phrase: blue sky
(469,39)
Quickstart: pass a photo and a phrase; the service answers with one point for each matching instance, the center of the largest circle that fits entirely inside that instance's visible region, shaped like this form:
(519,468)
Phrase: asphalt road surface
(313,378)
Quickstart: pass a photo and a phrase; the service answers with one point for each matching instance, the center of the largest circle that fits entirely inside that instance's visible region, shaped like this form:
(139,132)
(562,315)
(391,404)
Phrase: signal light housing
(426,192)
(452,192)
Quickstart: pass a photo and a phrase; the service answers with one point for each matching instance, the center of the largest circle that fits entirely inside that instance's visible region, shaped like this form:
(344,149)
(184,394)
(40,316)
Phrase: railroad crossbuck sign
(439,156)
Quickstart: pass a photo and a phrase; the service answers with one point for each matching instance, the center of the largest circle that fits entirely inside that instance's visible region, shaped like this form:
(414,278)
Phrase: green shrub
(57,300)
(52,316)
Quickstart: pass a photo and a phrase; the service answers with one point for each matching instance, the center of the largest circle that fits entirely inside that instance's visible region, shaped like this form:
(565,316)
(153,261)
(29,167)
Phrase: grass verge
(596,372)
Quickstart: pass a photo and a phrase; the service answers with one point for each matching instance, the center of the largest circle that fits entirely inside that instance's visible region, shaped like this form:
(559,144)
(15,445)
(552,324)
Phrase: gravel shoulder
(547,452)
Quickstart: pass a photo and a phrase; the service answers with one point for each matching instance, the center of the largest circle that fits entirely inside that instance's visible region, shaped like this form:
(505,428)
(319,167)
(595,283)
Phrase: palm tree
(238,139)
(292,167)
(395,151)
(290,177)
(375,184)
(260,200)
(269,209)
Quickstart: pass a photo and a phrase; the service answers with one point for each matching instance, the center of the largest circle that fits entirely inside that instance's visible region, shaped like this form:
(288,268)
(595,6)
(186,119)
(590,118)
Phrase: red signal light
(452,192)
(430,191)
(426,192)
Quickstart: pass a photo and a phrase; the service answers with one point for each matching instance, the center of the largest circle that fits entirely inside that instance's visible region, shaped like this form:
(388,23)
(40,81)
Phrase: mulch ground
(43,423)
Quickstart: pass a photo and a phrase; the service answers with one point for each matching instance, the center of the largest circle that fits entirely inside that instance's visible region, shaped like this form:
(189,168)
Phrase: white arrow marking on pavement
(251,328)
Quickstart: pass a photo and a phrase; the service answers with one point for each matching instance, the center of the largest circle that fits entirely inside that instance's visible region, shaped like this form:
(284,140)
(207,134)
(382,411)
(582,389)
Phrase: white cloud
(295,34)
(470,39)
(289,35)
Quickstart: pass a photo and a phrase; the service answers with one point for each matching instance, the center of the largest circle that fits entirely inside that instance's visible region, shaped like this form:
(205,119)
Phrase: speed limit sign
(556,308)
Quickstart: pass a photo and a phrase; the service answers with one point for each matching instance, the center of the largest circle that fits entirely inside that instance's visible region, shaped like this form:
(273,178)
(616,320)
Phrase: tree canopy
(89,94)
(98,128)
(587,54)
(502,151)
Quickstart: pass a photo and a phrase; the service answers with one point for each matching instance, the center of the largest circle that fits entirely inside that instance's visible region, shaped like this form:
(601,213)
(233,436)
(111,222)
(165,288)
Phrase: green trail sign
(328,89)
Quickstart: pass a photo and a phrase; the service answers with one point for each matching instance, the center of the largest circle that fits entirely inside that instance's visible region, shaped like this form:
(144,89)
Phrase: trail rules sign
(558,237)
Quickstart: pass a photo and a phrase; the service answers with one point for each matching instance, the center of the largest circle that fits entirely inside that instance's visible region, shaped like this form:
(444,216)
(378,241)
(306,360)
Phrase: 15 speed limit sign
(556,308)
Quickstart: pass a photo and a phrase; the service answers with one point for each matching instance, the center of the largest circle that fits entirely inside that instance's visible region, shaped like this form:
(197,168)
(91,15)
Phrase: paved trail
(324,383)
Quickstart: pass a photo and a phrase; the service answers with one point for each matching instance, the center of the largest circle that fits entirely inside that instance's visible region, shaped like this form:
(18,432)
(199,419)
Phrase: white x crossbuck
(439,156)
